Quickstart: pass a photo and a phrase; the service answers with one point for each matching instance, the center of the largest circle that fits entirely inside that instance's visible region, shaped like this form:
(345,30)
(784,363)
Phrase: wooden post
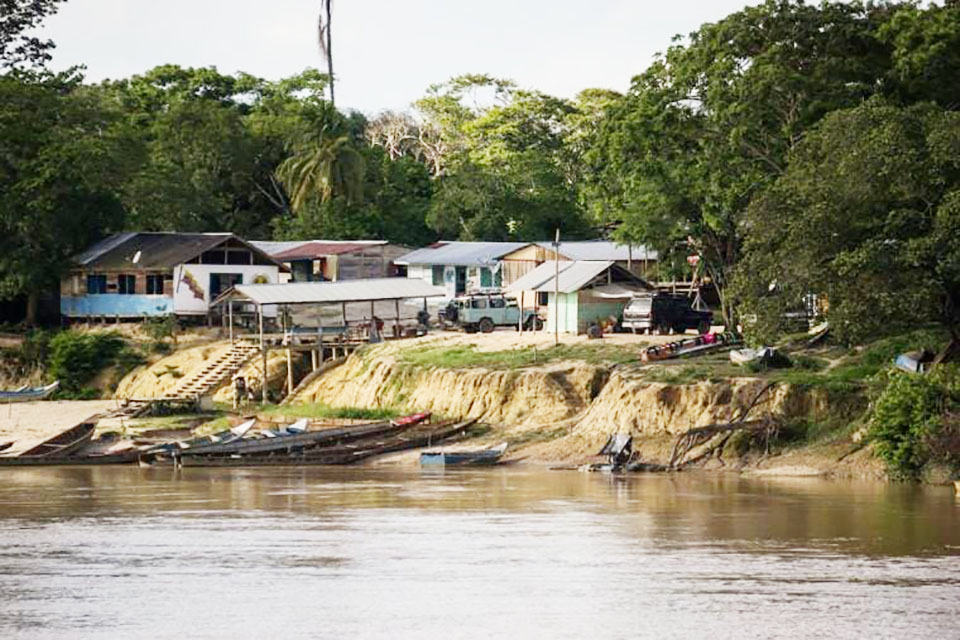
(556,289)
(230,314)
(520,321)
(373,326)
(289,371)
(629,257)
(397,331)
(263,351)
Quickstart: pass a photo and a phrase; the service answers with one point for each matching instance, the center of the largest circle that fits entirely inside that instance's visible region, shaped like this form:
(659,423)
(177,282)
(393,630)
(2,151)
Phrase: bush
(75,358)
(914,420)
(161,328)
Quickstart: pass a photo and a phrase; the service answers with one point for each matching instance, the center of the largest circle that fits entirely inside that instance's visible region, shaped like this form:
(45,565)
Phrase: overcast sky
(386,52)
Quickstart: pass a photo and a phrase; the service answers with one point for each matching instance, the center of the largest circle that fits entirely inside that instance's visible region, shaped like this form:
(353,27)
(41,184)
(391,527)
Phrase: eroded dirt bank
(564,411)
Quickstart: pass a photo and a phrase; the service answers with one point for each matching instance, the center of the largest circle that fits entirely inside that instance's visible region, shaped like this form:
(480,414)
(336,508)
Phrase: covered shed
(579,293)
(320,296)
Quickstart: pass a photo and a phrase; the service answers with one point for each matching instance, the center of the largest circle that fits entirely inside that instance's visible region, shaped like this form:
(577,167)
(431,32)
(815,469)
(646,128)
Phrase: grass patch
(467,356)
(323,411)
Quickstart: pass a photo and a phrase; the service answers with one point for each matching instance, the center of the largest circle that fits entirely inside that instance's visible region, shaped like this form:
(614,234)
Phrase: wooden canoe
(339,454)
(63,444)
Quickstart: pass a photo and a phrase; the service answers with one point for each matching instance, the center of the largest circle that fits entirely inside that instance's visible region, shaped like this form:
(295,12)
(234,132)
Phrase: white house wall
(191,284)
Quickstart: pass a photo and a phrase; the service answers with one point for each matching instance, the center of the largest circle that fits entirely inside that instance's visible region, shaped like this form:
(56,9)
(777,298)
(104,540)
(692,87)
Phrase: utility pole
(556,289)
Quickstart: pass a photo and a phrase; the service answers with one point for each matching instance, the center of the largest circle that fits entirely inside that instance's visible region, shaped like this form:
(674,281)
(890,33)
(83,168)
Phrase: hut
(578,293)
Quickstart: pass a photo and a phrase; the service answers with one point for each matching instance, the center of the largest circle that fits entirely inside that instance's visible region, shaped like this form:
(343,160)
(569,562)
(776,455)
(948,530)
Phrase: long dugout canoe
(337,455)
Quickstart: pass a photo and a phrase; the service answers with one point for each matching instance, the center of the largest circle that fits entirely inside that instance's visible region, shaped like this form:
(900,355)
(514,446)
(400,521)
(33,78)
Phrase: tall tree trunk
(33,301)
(328,48)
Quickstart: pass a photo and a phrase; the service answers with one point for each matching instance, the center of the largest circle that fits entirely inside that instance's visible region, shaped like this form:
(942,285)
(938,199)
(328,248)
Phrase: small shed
(579,293)
(637,259)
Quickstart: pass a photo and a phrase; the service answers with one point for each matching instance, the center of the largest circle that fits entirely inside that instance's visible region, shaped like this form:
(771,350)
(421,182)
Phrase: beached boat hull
(63,444)
(29,394)
(462,458)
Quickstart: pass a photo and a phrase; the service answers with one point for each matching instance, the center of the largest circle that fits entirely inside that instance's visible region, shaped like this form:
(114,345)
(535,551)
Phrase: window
(542,299)
(479,303)
(486,277)
(96,284)
(220,282)
(497,303)
(126,284)
(438,275)
(155,285)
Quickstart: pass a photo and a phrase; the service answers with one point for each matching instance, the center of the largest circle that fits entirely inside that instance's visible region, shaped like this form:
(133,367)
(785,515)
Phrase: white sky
(386,52)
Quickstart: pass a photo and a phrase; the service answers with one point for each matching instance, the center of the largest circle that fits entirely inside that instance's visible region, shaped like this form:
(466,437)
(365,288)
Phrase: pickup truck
(485,312)
(663,313)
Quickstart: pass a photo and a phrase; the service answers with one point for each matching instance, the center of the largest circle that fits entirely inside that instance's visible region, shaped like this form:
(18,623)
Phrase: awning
(367,290)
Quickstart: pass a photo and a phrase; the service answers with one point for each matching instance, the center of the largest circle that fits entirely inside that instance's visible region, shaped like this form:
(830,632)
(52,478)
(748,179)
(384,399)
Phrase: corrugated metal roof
(332,247)
(318,249)
(464,254)
(601,250)
(153,250)
(333,292)
(574,275)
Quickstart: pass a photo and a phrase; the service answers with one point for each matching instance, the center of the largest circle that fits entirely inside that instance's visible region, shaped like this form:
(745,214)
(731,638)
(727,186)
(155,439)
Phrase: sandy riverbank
(30,423)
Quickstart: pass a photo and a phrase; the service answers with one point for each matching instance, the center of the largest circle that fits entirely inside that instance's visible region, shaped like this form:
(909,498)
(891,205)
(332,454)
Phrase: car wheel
(486,325)
(662,330)
(537,324)
(470,328)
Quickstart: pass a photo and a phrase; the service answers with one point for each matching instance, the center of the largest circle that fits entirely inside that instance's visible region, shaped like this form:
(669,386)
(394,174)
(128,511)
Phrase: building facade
(134,275)
(459,267)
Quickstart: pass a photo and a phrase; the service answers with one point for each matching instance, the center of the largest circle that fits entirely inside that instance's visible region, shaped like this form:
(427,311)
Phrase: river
(105,552)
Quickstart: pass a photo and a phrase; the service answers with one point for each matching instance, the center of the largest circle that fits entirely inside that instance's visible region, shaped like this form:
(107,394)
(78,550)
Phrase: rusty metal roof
(319,249)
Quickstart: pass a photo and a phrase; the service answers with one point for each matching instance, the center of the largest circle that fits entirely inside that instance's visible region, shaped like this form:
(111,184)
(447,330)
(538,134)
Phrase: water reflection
(524,552)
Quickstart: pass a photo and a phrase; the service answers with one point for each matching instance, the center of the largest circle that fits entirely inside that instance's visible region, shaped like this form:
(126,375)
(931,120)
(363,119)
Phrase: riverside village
(672,343)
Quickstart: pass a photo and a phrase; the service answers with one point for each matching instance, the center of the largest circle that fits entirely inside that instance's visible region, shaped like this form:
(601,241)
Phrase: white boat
(28,394)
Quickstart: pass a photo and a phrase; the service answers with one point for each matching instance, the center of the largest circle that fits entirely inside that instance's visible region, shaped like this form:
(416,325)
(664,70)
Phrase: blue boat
(463,458)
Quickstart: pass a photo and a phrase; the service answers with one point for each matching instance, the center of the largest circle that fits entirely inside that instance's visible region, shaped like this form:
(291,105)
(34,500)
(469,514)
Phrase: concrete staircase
(215,373)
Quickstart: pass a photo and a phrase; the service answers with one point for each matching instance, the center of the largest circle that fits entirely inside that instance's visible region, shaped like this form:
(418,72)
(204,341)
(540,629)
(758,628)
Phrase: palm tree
(324,166)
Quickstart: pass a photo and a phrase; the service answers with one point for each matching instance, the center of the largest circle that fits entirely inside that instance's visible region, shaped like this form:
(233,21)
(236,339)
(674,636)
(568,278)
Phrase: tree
(324,164)
(62,158)
(866,215)
(500,158)
(16,17)
(710,124)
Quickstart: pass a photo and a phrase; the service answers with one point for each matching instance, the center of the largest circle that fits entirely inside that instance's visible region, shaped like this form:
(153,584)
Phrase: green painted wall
(569,303)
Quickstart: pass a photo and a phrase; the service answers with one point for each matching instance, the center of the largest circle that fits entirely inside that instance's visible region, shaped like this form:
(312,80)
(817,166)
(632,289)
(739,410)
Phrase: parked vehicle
(662,313)
(485,312)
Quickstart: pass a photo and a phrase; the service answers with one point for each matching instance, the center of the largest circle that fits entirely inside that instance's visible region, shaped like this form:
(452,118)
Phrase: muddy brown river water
(513,552)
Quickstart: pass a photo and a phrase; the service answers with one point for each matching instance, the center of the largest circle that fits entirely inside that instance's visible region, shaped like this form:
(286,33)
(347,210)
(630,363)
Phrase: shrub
(75,358)
(913,420)
(162,327)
